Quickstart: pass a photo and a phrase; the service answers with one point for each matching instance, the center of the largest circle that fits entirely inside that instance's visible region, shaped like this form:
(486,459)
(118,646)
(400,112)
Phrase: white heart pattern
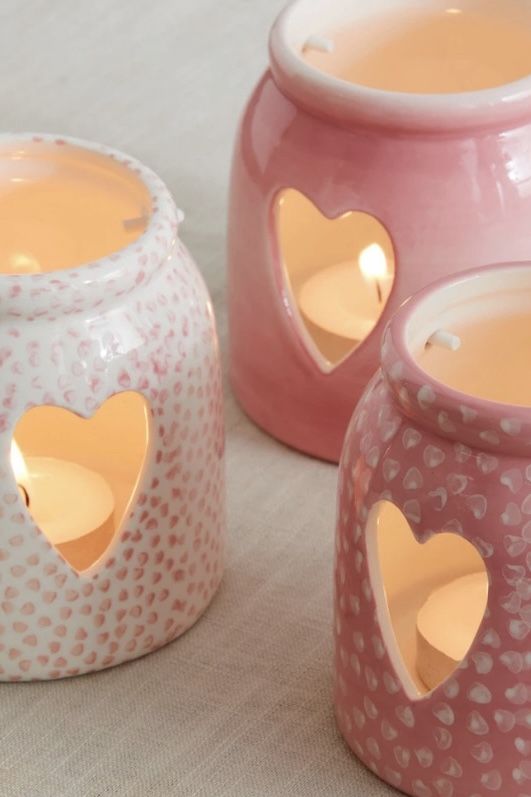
(446,743)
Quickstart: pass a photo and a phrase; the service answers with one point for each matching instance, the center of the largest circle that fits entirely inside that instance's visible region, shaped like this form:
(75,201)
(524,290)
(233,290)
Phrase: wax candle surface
(341,300)
(447,624)
(61,207)
(493,361)
(432,49)
(66,500)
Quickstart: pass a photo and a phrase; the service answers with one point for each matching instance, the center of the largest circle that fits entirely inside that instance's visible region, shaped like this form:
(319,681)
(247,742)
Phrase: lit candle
(18,464)
(68,502)
(447,624)
(347,299)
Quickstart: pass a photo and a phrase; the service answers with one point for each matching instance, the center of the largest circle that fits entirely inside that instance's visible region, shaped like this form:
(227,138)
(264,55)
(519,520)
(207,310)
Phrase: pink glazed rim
(466,419)
(327,95)
(92,284)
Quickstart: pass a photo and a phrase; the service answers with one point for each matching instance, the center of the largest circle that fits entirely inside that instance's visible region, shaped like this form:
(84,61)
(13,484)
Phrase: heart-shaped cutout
(79,476)
(431,597)
(338,275)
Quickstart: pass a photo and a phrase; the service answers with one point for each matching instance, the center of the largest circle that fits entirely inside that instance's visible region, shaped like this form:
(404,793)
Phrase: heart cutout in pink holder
(431,597)
(79,476)
(337,275)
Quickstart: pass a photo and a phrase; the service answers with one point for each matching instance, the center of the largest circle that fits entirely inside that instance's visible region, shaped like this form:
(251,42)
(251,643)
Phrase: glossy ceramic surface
(447,175)
(453,463)
(138,320)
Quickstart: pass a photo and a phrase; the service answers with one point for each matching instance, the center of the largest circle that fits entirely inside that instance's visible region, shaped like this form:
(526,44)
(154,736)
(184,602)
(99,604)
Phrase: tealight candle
(68,502)
(446,624)
(346,299)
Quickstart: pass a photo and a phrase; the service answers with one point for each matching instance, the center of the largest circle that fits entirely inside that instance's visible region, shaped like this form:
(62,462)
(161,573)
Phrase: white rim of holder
(297,27)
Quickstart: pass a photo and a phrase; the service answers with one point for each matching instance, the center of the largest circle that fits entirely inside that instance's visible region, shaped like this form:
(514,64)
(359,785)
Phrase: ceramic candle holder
(386,146)
(111,431)
(433,555)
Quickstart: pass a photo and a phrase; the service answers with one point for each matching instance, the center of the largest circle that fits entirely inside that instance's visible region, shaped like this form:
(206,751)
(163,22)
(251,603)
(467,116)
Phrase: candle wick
(445,340)
(25,494)
(137,223)
(379,292)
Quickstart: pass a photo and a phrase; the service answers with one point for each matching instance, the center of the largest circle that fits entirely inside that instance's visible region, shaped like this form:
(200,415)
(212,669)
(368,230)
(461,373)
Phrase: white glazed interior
(490,312)
(64,205)
(96,283)
(430,47)
(326,93)
(304,18)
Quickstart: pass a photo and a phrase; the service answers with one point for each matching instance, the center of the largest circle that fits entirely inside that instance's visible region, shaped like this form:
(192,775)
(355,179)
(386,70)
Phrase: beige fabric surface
(242,704)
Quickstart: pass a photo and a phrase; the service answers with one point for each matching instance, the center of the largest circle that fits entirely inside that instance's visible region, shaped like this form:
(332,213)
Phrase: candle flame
(373,263)
(18,463)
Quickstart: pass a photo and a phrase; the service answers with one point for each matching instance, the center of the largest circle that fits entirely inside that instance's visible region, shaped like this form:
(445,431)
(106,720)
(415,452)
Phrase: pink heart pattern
(140,320)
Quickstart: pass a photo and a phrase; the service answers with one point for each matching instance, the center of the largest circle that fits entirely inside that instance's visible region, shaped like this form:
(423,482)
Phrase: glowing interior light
(373,263)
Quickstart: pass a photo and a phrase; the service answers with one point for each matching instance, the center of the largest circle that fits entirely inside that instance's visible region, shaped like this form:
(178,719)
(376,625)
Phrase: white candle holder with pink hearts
(111,432)
(433,557)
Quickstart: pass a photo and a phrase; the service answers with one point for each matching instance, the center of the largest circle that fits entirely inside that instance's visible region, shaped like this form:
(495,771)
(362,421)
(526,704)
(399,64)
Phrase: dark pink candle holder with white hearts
(111,430)
(433,554)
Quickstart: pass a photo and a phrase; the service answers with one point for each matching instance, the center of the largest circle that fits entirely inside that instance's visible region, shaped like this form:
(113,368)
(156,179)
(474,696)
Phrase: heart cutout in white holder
(417,587)
(338,275)
(77,476)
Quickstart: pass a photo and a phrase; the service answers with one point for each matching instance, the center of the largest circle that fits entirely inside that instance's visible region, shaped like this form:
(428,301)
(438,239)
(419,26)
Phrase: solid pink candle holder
(111,426)
(433,554)
(353,187)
